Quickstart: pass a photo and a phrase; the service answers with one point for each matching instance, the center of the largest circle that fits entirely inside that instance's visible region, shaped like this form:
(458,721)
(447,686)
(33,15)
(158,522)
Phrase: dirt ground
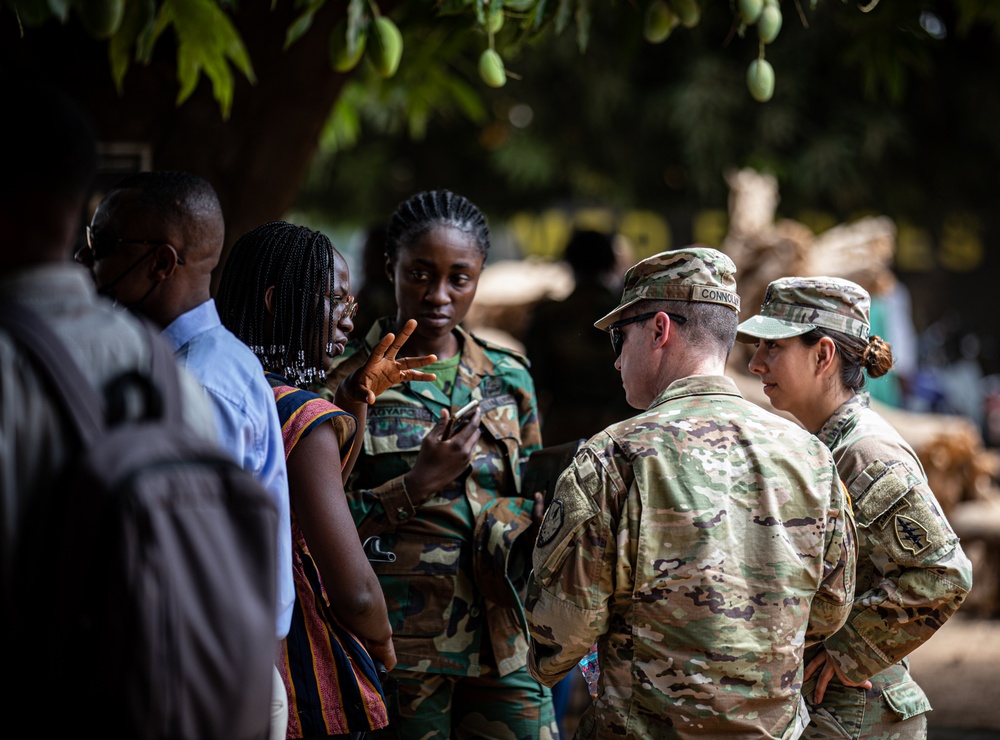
(959,670)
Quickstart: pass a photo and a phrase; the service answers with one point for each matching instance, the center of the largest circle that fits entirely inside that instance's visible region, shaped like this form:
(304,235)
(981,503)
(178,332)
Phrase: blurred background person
(579,390)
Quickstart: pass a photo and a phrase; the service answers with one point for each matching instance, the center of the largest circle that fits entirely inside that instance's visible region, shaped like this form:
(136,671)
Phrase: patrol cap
(796,305)
(695,274)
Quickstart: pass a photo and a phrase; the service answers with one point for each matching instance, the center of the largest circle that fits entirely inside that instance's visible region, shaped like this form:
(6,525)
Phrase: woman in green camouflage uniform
(446,501)
(813,348)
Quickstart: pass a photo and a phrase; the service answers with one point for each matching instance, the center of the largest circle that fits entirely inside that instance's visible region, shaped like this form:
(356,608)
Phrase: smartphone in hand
(460,418)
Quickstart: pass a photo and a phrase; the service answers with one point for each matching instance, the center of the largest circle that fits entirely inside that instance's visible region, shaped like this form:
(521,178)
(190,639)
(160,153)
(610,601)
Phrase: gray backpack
(144,597)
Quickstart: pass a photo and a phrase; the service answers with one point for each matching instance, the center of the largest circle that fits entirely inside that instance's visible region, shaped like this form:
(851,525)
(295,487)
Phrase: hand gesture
(441,460)
(827,670)
(382,370)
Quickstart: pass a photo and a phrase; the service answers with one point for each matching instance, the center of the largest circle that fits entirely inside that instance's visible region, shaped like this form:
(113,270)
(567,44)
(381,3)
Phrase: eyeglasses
(618,336)
(349,307)
(99,247)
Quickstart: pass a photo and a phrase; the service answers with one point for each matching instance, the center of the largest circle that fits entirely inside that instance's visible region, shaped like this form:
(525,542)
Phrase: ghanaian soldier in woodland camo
(813,348)
(446,500)
(702,544)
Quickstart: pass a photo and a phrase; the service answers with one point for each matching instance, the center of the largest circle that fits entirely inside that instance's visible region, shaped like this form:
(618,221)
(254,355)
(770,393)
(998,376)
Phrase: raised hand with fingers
(382,370)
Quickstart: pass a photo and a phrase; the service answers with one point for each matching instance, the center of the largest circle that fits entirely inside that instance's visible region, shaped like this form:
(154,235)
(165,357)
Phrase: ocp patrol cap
(796,305)
(695,274)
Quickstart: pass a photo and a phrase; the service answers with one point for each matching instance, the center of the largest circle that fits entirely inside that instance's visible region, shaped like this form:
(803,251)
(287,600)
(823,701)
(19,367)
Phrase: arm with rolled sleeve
(574,562)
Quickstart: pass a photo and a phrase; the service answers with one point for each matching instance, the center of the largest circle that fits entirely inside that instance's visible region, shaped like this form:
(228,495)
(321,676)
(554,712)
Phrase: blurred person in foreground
(814,348)
(48,162)
(702,544)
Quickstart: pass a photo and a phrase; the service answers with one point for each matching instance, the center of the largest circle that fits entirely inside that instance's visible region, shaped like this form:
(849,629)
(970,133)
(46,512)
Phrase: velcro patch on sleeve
(572,507)
(893,511)
(877,490)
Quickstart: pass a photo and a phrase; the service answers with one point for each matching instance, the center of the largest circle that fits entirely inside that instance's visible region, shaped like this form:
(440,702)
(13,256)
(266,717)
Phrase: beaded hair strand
(424,211)
(298,262)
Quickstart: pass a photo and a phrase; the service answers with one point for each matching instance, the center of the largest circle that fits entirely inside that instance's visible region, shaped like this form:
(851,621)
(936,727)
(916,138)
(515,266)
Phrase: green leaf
(206,42)
(138,20)
(357,18)
(583,24)
(302,24)
(563,15)
(32,12)
(299,26)
(60,9)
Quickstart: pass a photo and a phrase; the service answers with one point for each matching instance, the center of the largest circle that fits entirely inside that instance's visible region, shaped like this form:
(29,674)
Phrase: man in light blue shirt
(153,243)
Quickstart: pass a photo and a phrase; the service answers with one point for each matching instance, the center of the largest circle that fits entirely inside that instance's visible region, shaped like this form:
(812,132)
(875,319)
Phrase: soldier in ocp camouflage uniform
(449,508)
(814,345)
(702,544)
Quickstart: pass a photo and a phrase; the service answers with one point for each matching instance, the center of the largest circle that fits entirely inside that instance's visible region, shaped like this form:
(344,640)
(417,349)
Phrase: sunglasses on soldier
(618,336)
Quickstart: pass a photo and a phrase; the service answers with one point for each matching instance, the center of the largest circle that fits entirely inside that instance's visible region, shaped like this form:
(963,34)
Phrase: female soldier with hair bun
(443,495)
(813,350)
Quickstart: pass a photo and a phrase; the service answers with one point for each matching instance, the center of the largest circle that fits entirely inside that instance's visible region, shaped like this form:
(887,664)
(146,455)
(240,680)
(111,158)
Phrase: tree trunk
(257,159)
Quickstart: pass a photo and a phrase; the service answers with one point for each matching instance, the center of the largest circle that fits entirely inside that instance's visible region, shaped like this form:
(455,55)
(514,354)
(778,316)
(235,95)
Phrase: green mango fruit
(688,11)
(491,69)
(661,20)
(494,23)
(760,80)
(519,5)
(750,10)
(386,46)
(769,23)
(101,18)
(340,58)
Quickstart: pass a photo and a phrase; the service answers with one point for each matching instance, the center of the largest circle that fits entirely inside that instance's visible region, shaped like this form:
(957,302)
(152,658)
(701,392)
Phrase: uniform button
(403,515)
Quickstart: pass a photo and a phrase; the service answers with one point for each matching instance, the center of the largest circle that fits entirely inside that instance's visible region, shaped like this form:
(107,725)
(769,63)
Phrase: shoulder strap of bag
(84,404)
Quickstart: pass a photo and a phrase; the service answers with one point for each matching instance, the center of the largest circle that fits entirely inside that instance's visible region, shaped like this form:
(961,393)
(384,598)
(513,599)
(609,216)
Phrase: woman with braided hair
(444,494)
(285,292)
(813,349)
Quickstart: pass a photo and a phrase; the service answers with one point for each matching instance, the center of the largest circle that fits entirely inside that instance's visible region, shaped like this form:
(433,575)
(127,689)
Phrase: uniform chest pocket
(393,429)
(419,587)
(500,417)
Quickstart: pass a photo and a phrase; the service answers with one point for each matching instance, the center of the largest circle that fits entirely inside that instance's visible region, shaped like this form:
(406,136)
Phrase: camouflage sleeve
(574,558)
(527,401)
(379,509)
(832,604)
(919,574)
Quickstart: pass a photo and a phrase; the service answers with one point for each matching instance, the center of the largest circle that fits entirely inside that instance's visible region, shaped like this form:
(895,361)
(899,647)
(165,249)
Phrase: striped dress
(331,680)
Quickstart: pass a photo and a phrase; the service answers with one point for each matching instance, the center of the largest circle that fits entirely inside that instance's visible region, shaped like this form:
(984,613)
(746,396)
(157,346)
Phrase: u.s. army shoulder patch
(552,523)
(911,534)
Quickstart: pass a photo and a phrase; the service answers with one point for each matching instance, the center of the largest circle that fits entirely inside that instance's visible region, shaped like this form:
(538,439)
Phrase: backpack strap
(84,403)
(87,406)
